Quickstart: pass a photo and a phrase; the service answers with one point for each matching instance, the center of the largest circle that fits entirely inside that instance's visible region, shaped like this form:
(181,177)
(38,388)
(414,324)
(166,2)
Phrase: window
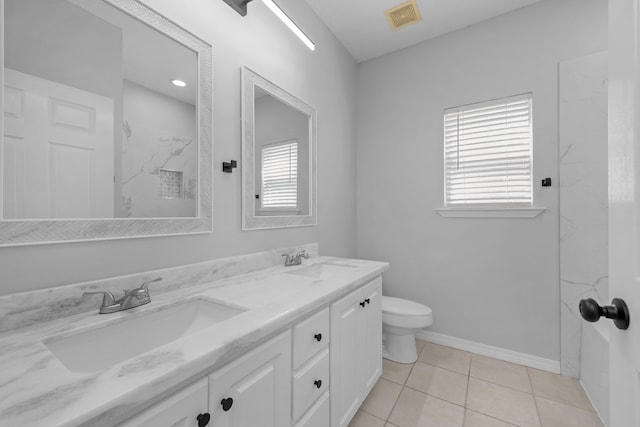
(488,159)
(280,175)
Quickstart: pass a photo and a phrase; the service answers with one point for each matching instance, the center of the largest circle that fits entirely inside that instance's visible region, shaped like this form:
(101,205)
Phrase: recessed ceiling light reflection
(178,83)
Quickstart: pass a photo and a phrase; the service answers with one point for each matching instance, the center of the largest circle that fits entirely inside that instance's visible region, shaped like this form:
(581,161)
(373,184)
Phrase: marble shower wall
(583,203)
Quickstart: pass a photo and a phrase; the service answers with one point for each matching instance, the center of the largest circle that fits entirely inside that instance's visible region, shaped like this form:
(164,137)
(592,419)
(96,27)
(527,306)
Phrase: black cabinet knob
(318,383)
(203,419)
(368,301)
(362,303)
(318,337)
(226,404)
(617,311)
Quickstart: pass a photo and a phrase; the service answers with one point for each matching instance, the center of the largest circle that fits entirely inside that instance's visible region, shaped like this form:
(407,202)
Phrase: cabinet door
(178,410)
(255,390)
(345,390)
(370,336)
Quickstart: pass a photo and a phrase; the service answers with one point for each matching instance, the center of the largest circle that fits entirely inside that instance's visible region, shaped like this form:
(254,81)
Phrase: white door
(624,207)
(370,329)
(58,150)
(345,362)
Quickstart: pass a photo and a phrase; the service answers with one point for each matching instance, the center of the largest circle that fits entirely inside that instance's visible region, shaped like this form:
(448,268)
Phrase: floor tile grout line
(401,390)
(535,401)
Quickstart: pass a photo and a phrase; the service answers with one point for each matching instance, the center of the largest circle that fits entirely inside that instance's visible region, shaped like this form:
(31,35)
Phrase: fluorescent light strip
(289,23)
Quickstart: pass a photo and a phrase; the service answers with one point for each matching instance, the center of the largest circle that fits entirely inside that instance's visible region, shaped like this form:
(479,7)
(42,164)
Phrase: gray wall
(492,281)
(324,78)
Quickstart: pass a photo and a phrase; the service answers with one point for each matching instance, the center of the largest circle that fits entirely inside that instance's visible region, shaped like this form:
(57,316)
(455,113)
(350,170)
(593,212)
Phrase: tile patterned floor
(452,388)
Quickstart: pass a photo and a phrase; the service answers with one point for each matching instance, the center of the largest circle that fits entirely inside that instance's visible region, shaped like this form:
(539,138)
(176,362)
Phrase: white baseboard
(541,363)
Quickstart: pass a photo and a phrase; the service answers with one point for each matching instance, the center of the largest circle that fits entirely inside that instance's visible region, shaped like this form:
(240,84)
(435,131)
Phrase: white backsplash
(29,308)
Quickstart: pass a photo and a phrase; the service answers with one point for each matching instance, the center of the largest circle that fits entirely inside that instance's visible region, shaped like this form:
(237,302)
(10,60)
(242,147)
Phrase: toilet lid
(393,305)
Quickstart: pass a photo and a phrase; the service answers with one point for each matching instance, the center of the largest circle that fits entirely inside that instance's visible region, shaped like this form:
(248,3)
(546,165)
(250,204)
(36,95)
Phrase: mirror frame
(35,231)
(250,221)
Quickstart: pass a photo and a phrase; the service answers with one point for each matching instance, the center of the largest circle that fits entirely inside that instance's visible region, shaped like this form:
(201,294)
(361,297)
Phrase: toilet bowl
(401,319)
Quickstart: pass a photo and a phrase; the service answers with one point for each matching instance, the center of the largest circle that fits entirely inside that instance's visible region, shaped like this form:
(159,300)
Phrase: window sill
(490,212)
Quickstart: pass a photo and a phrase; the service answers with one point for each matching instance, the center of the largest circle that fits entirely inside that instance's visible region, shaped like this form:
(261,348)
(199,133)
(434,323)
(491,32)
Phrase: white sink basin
(322,270)
(100,348)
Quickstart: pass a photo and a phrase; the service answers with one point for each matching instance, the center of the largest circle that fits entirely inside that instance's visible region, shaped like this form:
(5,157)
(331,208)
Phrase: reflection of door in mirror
(282,145)
(58,144)
(93,126)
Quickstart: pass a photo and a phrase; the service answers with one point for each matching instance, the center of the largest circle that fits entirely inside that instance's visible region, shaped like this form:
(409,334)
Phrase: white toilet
(401,319)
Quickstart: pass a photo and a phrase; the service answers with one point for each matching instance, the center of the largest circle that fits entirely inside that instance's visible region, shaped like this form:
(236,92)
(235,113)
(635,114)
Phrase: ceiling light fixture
(289,23)
(178,83)
(240,6)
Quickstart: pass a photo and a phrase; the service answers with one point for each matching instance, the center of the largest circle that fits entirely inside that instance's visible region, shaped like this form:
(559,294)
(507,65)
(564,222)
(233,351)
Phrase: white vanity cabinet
(316,374)
(356,350)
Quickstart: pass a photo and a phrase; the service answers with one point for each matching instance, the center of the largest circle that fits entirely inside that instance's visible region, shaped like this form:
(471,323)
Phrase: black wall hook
(228,166)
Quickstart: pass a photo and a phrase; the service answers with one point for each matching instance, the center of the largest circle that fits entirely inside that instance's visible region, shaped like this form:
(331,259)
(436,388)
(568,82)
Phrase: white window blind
(488,153)
(280,175)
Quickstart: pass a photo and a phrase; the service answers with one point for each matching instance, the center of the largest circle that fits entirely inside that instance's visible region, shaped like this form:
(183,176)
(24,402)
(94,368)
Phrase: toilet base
(399,347)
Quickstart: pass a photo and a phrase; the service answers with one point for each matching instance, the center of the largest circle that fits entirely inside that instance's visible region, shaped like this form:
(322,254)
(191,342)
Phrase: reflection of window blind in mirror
(488,153)
(280,175)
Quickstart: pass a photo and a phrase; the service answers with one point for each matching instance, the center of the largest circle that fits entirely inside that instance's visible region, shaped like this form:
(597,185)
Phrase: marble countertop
(36,389)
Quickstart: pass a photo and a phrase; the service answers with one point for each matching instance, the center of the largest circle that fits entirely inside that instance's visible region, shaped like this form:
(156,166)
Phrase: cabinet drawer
(318,415)
(309,336)
(310,382)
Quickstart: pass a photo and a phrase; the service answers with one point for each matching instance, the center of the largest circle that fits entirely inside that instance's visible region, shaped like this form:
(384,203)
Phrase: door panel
(624,207)
(345,388)
(259,384)
(67,150)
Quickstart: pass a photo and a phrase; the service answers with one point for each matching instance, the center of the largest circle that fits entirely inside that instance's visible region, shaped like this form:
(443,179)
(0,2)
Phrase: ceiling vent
(403,14)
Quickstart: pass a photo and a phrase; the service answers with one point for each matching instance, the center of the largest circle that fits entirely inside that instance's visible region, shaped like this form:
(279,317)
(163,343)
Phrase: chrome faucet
(131,298)
(295,260)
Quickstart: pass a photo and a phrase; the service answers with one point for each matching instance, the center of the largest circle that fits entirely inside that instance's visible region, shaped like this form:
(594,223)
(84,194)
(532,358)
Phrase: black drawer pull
(226,404)
(318,383)
(203,419)
(318,337)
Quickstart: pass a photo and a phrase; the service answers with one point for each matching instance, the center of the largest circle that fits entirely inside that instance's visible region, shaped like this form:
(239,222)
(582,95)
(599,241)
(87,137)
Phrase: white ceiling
(363,29)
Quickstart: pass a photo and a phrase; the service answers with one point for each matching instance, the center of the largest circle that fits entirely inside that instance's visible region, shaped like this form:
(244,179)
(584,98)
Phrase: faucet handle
(145,286)
(303,253)
(107,297)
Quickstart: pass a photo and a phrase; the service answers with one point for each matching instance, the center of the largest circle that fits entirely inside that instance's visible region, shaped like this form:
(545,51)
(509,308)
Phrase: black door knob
(318,383)
(617,311)
(368,301)
(318,337)
(203,419)
(226,404)
(362,303)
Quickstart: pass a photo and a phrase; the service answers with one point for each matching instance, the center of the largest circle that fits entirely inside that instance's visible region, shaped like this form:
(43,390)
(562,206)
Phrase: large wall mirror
(106,123)
(279,156)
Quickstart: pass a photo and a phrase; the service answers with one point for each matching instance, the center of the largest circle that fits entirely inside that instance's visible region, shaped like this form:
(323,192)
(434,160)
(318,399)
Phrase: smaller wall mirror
(279,156)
